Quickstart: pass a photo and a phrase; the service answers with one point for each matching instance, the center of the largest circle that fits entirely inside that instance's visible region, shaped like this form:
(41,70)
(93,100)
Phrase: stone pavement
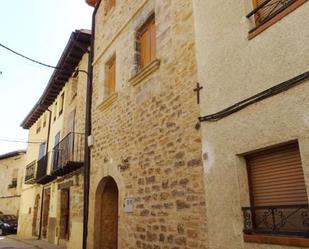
(13,242)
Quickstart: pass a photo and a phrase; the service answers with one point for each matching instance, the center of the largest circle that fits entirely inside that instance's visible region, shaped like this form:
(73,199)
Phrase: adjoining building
(254,69)
(11,172)
(147,184)
(52,195)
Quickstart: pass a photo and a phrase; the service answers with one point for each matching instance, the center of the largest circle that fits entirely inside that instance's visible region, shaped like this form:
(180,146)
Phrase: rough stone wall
(232,68)
(146,140)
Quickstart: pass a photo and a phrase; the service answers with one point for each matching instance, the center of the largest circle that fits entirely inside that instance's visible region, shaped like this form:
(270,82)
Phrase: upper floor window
(38,126)
(109,5)
(147,42)
(61,103)
(44,120)
(267,12)
(13,183)
(277,192)
(111,75)
(55,111)
(74,88)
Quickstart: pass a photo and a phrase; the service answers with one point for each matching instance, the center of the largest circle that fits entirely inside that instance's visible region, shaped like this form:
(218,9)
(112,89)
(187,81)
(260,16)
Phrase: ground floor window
(279,203)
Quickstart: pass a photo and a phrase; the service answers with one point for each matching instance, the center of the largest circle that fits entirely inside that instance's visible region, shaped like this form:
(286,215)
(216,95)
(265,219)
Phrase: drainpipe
(46,153)
(87,155)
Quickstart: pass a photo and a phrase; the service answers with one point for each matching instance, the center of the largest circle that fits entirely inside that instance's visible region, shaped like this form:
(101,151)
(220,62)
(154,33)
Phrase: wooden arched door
(107,214)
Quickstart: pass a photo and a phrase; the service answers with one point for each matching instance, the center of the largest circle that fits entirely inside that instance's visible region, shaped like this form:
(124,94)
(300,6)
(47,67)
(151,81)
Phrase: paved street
(12,242)
(6,243)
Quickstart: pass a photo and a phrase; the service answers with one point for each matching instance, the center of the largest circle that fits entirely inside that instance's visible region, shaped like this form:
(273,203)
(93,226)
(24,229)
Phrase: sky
(40,30)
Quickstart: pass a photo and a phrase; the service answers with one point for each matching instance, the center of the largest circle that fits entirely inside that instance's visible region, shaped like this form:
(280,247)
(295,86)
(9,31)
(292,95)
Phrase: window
(42,150)
(61,102)
(44,120)
(74,88)
(109,5)
(277,192)
(38,126)
(55,111)
(13,179)
(147,42)
(268,12)
(111,75)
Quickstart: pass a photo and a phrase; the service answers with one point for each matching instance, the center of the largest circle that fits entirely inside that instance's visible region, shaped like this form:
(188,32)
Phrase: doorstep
(40,244)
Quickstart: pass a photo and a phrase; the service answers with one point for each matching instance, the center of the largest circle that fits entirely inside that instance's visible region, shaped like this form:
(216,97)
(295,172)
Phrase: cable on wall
(284,86)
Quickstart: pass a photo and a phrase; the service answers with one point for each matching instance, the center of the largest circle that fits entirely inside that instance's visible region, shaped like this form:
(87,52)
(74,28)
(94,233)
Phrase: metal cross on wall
(197,90)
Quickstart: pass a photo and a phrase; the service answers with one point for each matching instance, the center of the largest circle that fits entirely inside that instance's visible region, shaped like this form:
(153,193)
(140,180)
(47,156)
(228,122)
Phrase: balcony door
(56,151)
(42,149)
(70,130)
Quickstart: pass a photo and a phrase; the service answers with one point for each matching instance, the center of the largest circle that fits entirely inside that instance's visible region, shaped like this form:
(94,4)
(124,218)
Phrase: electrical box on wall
(90,140)
(128,205)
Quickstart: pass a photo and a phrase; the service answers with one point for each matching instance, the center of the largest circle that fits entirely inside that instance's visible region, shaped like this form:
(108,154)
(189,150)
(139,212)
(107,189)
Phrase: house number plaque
(128,205)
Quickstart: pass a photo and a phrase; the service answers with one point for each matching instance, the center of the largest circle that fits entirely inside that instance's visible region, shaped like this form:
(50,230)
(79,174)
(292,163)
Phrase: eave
(76,47)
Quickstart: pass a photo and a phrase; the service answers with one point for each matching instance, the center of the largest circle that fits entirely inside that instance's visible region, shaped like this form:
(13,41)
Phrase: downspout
(87,155)
(46,153)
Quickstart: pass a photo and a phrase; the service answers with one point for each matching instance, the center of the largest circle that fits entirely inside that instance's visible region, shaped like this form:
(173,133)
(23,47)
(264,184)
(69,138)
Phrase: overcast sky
(40,30)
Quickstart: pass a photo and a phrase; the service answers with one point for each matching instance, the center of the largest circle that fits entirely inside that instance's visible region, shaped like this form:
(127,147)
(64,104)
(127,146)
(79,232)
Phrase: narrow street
(7,243)
(12,242)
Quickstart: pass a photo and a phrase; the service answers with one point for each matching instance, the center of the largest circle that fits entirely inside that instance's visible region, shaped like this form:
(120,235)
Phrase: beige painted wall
(232,68)
(10,197)
(30,191)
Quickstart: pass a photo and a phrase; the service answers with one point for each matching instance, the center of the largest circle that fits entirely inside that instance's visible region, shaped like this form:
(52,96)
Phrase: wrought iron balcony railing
(42,174)
(30,176)
(68,154)
(277,220)
(268,10)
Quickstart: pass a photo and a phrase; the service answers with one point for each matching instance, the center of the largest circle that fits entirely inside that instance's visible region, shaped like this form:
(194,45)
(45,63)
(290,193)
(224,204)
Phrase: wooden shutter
(276,177)
(152,40)
(148,42)
(267,10)
(145,47)
(109,5)
(111,75)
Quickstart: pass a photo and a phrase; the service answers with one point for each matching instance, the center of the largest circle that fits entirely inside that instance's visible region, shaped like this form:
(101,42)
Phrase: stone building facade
(52,195)
(238,58)
(147,185)
(11,172)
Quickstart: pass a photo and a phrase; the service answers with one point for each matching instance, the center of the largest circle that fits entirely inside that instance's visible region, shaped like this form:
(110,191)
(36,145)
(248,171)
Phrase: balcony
(42,174)
(269,10)
(30,176)
(68,154)
(291,220)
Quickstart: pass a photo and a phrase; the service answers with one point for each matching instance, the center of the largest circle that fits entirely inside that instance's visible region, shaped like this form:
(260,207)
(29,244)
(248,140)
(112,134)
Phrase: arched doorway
(35,216)
(106,215)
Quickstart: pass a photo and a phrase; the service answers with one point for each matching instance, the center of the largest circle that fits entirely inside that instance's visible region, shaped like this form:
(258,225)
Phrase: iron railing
(69,152)
(30,172)
(277,220)
(267,10)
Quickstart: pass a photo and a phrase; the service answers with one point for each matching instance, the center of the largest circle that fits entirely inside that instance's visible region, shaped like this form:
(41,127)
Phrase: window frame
(280,155)
(148,29)
(108,72)
(61,104)
(273,18)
